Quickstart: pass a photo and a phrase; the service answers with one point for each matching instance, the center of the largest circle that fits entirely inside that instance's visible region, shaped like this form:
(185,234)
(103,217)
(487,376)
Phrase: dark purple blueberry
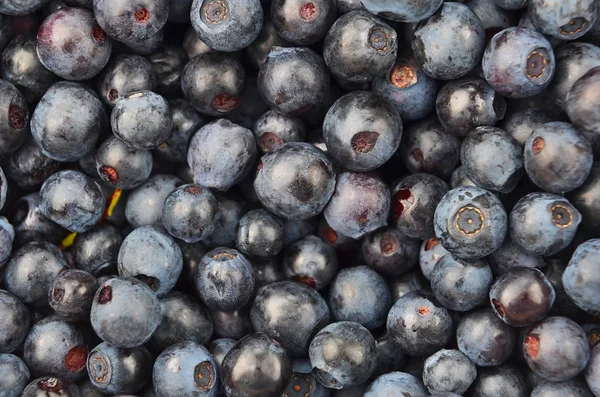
(303,22)
(592,373)
(49,386)
(192,255)
(260,48)
(186,121)
(251,104)
(448,371)
(96,250)
(402,12)
(565,20)
(573,387)
(14,119)
(225,231)
(21,7)
(360,47)
(303,383)
(168,62)
(131,22)
(510,255)
(14,322)
(510,5)
(389,251)
(362,131)
(499,381)
(579,106)
(493,17)
(221,154)
(233,324)
(310,261)
(71,294)
(402,285)
(295,93)
(29,167)
(125,73)
(224,280)
(460,178)
(353,360)
(580,279)
(563,304)
(145,203)
(259,233)
(30,224)
(121,166)
(543,223)
(522,296)
(430,253)
(393,383)
(15,375)
(273,129)
(72,45)
(145,46)
(192,45)
(267,270)
(113,369)
(520,123)
(114,320)
(7,236)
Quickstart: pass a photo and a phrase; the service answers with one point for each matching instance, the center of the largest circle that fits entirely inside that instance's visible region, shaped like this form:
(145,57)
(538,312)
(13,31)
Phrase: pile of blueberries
(299,198)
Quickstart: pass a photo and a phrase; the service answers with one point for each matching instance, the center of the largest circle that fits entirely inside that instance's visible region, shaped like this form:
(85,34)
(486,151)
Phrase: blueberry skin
(259,49)
(213,83)
(57,348)
(77,213)
(20,65)
(461,49)
(459,178)
(408,88)
(15,321)
(29,167)
(362,131)
(221,154)
(556,348)
(84,119)
(520,123)
(579,106)
(414,200)
(299,92)
(468,103)
(31,270)
(224,233)
(419,324)
(565,20)
(522,296)
(510,255)
(128,22)
(7,236)
(510,4)
(448,371)
(402,285)
(493,18)
(302,23)
(192,45)
(575,388)
(151,256)
(142,120)
(71,294)
(190,213)
(470,222)
(580,280)
(499,381)
(402,12)
(121,166)
(290,313)
(14,119)
(273,129)
(360,47)
(427,147)
(389,251)
(430,253)
(96,250)
(30,224)
(49,386)
(310,261)
(304,384)
(224,280)
(227,25)
(360,295)
(543,223)
(186,121)
(14,375)
(145,203)
(184,318)
(125,73)
(146,46)
(20,7)
(592,373)
(259,233)
(185,369)
(359,205)
(352,363)
(234,324)
(115,322)
(168,62)
(484,338)
(394,383)
(256,366)
(459,284)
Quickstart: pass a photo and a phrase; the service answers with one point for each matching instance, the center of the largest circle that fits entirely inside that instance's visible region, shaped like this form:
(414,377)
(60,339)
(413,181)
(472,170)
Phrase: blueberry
(290,313)
(260,48)
(450,43)
(129,22)
(310,261)
(14,122)
(273,129)
(522,296)
(14,323)
(296,229)
(145,46)
(360,47)
(192,45)
(234,324)
(122,166)
(57,348)
(125,73)
(30,224)
(518,62)
(580,280)
(556,348)
(592,373)
(351,363)
(112,317)
(298,92)
(468,103)
(7,236)
(510,255)
(448,371)
(499,381)
(224,233)
(151,256)
(168,62)
(396,382)
(575,388)
(72,45)
(75,213)
(430,253)
(493,17)
(195,375)
(401,12)
(362,131)
(221,154)
(510,4)
(408,88)
(303,383)
(460,178)
(543,223)
(419,324)
(259,233)
(96,250)
(227,25)
(256,366)
(213,83)
(186,121)
(29,167)
(71,294)
(142,120)
(295,181)
(224,280)
(145,203)
(21,66)
(302,22)
(579,106)
(402,285)
(49,386)
(14,375)
(82,120)
(427,147)
(117,370)
(470,222)
(520,123)
(566,20)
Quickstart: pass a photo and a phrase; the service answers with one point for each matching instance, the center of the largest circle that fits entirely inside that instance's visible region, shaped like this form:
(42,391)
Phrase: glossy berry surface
(259,233)
(448,371)
(390,252)
(130,22)
(122,166)
(15,322)
(71,294)
(302,22)
(125,74)
(14,118)
(579,279)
